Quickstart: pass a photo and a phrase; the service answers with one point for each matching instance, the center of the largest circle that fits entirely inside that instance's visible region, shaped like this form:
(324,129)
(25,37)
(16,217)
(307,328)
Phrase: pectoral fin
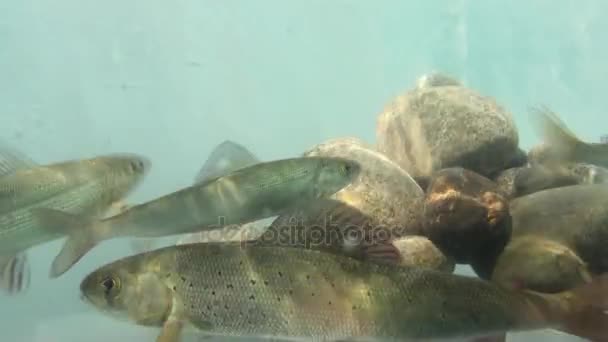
(171,331)
(383,253)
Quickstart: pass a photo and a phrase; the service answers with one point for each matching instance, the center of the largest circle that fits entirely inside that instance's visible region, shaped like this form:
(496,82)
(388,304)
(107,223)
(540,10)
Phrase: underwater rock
(442,124)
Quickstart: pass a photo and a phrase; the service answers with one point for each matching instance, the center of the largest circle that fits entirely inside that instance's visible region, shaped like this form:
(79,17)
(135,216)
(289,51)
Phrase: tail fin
(587,310)
(14,273)
(555,133)
(81,232)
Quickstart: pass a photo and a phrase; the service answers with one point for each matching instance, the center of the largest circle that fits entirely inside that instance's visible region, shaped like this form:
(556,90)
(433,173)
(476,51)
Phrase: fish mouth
(84,295)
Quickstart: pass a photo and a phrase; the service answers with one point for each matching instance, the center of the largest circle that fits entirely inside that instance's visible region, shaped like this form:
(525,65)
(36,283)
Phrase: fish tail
(583,311)
(556,134)
(83,234)
(14,273)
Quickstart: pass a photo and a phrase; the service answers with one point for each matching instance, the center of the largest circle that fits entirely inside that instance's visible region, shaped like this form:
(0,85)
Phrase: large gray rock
(442,124)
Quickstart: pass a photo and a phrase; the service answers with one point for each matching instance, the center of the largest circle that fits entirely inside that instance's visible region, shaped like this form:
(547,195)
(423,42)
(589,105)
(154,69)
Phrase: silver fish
(86,187)
(248,194)
(226,157)
(14,269)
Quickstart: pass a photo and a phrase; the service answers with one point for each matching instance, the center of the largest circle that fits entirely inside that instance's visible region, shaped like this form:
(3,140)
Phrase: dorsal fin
(225,158)
(12,160)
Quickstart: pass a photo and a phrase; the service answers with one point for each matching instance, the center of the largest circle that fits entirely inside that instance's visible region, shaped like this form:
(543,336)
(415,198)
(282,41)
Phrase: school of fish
(346,242)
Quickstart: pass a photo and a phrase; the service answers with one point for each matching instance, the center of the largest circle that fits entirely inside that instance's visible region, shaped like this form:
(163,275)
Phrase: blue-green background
(171,79)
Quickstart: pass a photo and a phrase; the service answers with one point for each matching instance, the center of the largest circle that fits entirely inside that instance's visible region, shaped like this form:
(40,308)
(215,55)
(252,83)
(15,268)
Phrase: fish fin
(555,132)
(174,325)
(587,313)
(141,245)
(14,273)
(171,331)
(118,207)
(12,160)
(225,158)
(81,236)
(383,253)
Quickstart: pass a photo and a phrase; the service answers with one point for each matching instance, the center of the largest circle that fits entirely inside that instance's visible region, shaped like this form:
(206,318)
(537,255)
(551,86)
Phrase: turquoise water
(172,79)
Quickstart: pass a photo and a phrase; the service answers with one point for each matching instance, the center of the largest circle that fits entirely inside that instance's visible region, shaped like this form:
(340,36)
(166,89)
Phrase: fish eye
(109,285)
(136,165)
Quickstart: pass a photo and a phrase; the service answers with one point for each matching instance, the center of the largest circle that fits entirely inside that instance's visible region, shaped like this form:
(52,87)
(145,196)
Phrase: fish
(345,217)
(362,219)
(248,194)
(226,157)
(137,245)
(561,144)
(79,186)
(14,269)
(521,181)
(284,292)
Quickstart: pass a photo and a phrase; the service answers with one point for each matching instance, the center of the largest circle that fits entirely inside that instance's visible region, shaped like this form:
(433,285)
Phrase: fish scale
(80,186)
(22,226)
(229,197)
(311,305)
(322,296)
(15,194)
(294,293)
(285,183)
